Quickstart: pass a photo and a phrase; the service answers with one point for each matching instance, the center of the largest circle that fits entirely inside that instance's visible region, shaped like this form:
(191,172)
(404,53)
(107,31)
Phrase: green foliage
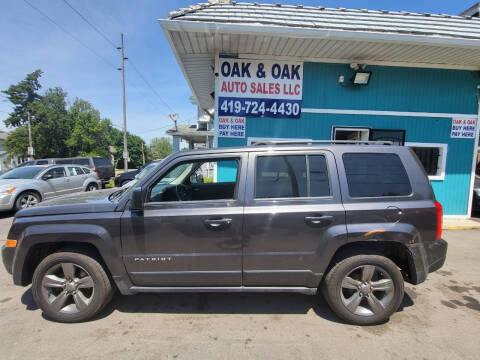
(134,143)
(160,148)
(90,135)
(61,131)
(17,141)
(22,95)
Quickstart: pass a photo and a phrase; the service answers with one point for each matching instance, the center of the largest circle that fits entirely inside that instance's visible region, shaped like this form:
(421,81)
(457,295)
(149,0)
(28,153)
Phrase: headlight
(9,191)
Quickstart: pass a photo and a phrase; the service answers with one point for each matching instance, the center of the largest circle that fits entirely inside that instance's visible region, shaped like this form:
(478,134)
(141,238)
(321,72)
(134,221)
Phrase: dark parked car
(100,165)
(354,221)
(128,176)
(37,162)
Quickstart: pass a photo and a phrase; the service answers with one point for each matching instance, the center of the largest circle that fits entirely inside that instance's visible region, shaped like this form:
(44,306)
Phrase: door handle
(218,224)
(322,219)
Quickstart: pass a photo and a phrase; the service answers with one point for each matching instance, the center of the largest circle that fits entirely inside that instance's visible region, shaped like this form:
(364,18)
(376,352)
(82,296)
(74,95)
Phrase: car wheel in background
(364,289)
(91,187)
(124,182)
(71,286)
(26,200)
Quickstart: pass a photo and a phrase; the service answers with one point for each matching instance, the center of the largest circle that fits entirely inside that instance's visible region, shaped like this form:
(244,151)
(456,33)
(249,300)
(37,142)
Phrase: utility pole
(30,151)
(143,156)
(122,69)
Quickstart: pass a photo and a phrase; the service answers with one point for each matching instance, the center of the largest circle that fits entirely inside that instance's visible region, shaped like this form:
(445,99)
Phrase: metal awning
(339,35)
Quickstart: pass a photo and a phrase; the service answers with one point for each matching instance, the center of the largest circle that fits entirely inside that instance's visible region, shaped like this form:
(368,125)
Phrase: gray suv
(350,221)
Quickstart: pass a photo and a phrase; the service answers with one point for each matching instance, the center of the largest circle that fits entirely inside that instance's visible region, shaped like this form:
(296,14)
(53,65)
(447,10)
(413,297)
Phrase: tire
(91,187)
(124,182)
(362,302)
(26,199)
(64,300)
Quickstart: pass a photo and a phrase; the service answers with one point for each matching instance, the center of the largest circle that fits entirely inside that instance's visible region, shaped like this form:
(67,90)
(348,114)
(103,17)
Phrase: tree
(17,141)
(160,148)
(52,125)
(90,135)
(134,144)
(22,95)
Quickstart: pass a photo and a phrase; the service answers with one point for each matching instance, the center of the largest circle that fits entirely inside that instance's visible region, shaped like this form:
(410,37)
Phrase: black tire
(124,182)
(19,202)
(69,310)
(91,187)
(375,306)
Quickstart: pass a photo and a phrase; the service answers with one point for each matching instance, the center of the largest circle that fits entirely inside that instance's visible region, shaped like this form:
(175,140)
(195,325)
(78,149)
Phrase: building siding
(390,89)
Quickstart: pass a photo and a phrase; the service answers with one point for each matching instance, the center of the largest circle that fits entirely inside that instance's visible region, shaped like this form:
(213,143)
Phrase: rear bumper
(426,258)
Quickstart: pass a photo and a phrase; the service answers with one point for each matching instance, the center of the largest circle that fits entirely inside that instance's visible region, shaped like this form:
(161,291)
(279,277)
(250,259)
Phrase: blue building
(339,74)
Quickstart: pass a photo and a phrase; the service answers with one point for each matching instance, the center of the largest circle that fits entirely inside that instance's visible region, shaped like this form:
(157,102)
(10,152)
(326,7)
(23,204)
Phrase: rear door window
(281,176)
(376,175)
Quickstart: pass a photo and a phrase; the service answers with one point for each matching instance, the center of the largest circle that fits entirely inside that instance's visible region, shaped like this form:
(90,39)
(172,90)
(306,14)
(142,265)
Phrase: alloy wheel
(367,290)
(67,288)
(28,200)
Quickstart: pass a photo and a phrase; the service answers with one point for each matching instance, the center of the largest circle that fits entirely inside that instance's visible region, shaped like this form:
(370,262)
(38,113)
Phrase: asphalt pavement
(439,319)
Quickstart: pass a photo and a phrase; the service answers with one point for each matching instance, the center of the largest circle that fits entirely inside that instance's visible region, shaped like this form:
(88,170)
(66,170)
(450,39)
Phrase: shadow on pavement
(6,214)
(216,303)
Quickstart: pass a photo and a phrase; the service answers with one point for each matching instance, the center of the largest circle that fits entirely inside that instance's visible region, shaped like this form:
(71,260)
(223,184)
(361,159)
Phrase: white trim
(250,140)
(442,158)
(387,113)
(456,217)
(474,160)
(359,61)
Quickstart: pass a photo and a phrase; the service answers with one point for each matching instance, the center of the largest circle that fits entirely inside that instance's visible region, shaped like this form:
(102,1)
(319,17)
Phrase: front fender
(66,233)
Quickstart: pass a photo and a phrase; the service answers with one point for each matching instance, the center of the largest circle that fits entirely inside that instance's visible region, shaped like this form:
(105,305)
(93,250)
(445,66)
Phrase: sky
(86,67)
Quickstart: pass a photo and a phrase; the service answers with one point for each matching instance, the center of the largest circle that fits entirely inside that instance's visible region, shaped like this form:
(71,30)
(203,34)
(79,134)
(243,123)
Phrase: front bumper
(426,258)
(6,202)
(7,257)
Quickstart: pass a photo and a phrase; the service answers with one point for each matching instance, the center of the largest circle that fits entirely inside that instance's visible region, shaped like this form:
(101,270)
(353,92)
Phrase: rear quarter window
(376,175)
(98,161)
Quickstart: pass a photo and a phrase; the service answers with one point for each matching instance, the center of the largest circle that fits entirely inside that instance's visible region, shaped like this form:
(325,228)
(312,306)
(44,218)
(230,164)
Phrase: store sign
(463,128)
(260,88)
(231,126)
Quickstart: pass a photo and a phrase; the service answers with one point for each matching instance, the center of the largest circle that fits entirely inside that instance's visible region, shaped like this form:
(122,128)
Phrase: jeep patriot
(352,222)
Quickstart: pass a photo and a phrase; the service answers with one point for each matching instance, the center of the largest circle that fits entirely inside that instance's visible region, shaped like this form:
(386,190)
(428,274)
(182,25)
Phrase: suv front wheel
(364,289)
(71,287)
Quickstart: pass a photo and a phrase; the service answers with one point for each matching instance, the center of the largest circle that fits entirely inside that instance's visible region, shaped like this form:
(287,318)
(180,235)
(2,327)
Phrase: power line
(92,26)
(116,48)
(149,85)
(69,34)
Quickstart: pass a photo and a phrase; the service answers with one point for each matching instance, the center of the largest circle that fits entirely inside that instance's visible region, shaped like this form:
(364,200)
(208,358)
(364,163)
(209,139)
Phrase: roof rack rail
(312,142)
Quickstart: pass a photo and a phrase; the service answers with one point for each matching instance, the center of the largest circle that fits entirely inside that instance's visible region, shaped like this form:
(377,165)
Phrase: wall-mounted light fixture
(361,77)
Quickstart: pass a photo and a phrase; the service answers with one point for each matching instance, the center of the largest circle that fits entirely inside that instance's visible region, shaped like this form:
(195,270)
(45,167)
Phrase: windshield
(28,172)
(145,171)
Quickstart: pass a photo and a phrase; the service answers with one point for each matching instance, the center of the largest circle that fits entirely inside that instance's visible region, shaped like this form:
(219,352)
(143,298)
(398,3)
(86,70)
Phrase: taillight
(438,236)
(96,172)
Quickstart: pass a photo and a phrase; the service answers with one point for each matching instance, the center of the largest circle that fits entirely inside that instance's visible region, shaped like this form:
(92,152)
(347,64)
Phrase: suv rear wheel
(71,287)
(364,289)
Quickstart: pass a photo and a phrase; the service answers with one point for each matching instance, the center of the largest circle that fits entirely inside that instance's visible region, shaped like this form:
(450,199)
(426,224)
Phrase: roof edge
(298,32)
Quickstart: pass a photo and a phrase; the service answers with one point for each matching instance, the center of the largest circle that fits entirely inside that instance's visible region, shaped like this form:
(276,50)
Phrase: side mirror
(47,177)
(136,201)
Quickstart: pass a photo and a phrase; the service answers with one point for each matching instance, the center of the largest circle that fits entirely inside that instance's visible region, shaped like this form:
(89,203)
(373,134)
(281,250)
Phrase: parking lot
(439,319)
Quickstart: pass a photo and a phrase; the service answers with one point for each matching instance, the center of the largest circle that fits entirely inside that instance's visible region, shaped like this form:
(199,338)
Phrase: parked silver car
(27,186)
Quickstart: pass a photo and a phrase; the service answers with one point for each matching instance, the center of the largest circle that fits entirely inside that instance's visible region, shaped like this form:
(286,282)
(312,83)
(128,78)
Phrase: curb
(461,227)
